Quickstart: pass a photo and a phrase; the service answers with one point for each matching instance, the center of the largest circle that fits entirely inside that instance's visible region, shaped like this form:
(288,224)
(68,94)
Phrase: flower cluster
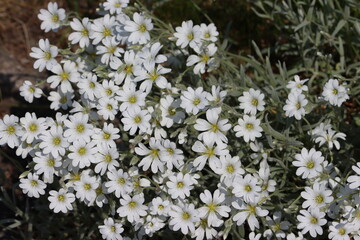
(133,137)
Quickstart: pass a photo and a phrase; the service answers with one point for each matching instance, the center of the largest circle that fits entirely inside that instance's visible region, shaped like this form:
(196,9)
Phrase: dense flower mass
(143,134)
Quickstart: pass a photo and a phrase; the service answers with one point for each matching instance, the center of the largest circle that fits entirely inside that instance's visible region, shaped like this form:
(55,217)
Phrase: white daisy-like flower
(111,230)
(183,216)
(106,159)
(125,68)
(194,101)
(213,210)
(216,94)
(134,119)
(180,185)
(32,185)
(29,91)
(60,100)
(203,60)
(107,89)
(83,31)
(297,85)
(60,201)
(64,76)
(33,127)
(335,93)
(139,29)
(277,227)
(188,34)
(119,183)
(46,164)
(132,207)
(158,206)
(86,188)
(45,55)
(107,108)
(130,97)
(171,155)
(102,28)
(149,55)
(248,128)
(311,221)
(152,158)
(213,128)
(54,142)
(340,230)
(295,105)
(106,136)
(354,180)
(246,188)
(89,86)
(252,101)
(308,163)
(152,74)
(228,167)
(10,131)
(209,32)
(115,6)
(82,153)
(170,113)
(78,128)
(52,17)
(317,196)
(109,50)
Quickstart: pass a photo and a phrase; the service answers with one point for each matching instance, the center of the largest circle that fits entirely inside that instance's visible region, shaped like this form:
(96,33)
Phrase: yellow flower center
(64,76)
(342,231)
(132,99)
(33,127)
(111,50)
(10,130)
(98,191)
(205,58)
(252,209)
(107,158)
(310,164)
(190,36)
(56,141)
(214,127)
(170,151)
(186,216)
(47,56)
(180,184)
(80,128)
(63,100)
(314,220)
(142,28)
(50,162)
(87,186)
(113,229)
(61,198)
(161,207)
(75,177)
(298,105)
(255,102)
(171,111)
(248,188)
(335,91)
(212,207)
(34,183)
(319,199)
(210,151)
(121,181)
(137,119)
(117,5)
(207,35)
(81,151)
(109,107)
(277,227)
(196,101)
(91,85)
(230,168)
(106,135)
(108,91)
(153,76)
(84,32)
(55,18)
(249,126)
(132,204)
(31,89)
(299,85)
(106,32)
(128,69)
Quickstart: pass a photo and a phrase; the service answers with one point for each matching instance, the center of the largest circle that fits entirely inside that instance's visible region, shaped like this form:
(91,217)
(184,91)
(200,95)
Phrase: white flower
(158,206)
(83,31)
(170,113)
(311,221)
(180,185)
(152,225)
(151,74)
(64,75)
(208,32)
(132,207)
(33,127)
(107,89)
(139,29)
(111,230)
(214,128)
(54,142)
(330,137)
(46,164)
(340,230)
(125,70)
(60,99)
(276,226)
(228,167)
(10,131)
(171,155)
(213,210)
(102,28)
(317,196)
(203,59)
(149,55)
(60,201)
(183,216)
(107,108)
(82,153)
(208,151)
(106,136)
(216,94)
(246,187)
(295,105)
(194,100)
(106,159)
(115,6)
(119,182)
(248,211)
(32,186)
(252,101)
(130,98)
(135,118)
(335,93)
(45,55)
(308,163)
(110,50)
(354,180)
(88,86)
(51,18)
(297,85)
(30,91)
(188,34)
(248,128)
(86,188)
(78,128)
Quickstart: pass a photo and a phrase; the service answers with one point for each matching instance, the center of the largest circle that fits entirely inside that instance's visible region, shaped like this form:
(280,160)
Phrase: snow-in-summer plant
(158,131)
